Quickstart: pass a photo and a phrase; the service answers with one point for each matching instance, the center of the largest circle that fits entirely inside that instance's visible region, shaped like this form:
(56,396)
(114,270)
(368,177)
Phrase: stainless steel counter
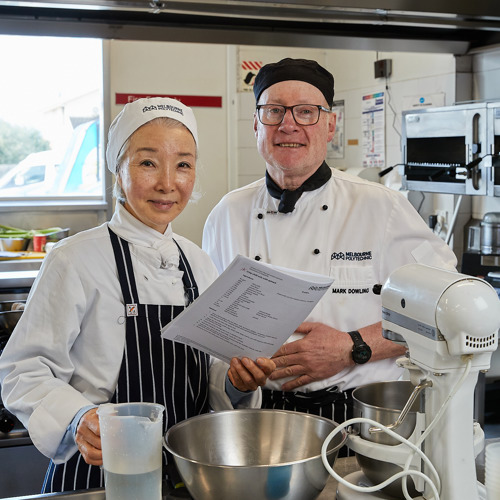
(96,494)
(343,466)
(22,265)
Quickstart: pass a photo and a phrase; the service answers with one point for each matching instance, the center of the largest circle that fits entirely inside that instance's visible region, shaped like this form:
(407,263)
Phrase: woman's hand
(88,438)
(247,375)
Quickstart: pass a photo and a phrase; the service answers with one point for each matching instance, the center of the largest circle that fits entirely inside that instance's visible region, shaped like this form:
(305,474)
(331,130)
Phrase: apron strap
(190,285)
(124,264)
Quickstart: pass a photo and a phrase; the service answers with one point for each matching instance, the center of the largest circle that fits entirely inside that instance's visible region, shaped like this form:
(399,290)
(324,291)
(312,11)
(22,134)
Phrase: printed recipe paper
(250,310)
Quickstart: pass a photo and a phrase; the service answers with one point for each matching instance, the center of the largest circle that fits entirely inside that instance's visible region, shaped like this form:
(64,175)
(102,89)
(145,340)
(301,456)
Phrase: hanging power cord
(421,202)
(434,485)
(388,169)
(453,220)
(394,113)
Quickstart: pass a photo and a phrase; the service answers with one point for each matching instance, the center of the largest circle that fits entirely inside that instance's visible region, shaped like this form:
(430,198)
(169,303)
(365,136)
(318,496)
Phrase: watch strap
(356,337)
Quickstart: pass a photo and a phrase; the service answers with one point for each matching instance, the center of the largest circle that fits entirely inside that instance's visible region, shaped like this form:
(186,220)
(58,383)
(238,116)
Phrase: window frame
(101,203)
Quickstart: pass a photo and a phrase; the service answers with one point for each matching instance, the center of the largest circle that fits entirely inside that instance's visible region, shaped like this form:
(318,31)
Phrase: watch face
(361,354)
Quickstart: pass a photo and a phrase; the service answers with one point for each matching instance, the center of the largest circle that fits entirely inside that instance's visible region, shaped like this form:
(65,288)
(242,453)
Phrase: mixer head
(441,316)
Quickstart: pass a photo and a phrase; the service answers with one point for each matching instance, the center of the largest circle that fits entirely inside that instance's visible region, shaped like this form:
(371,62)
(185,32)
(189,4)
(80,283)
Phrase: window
(50,119)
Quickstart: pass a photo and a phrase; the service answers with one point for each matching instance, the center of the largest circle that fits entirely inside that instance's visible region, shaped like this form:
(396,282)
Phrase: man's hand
(247,375)
(322,353)
(88,438)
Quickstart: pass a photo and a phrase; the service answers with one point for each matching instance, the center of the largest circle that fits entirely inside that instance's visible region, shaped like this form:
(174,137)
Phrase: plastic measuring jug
(131,441)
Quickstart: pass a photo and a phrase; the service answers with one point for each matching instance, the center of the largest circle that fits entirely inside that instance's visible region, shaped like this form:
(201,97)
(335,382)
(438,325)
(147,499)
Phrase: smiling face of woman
(157,173)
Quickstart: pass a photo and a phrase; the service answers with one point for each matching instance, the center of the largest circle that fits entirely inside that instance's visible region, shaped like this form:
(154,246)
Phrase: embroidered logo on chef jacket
(353,256)
(132,310)
(351,279)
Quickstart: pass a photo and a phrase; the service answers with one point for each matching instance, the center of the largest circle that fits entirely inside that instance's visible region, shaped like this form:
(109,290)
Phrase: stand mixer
(449,322)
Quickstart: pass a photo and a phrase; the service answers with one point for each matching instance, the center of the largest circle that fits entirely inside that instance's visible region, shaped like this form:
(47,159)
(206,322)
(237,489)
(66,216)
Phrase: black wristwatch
(361,352)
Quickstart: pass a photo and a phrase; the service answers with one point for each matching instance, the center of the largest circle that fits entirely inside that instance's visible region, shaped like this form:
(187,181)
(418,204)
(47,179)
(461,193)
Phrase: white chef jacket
(67,348)
(350,229)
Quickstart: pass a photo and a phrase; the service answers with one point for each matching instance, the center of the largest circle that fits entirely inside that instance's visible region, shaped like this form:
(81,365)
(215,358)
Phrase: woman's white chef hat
(137,113)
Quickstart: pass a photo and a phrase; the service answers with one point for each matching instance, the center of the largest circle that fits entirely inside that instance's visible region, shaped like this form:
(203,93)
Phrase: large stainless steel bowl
(253,454)
(383,402)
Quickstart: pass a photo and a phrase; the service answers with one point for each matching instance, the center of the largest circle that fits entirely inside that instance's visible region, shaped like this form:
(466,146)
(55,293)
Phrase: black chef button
(257,257)
(316,251)
(325,207)
(260,216)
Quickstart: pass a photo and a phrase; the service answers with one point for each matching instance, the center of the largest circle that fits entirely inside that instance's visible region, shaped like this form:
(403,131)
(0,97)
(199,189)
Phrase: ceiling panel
(423,26)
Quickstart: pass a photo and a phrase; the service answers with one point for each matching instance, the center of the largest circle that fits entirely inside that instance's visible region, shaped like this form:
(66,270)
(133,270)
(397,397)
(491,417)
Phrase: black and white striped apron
(329,403)
(153,369)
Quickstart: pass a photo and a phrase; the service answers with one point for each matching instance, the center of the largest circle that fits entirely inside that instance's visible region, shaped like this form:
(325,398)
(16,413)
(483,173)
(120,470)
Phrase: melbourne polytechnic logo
(337,256)
(165,107)
(352,256)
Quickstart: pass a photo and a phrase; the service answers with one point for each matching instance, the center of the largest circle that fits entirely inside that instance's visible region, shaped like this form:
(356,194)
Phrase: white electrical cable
(415,447)
(453,220)
(404,473)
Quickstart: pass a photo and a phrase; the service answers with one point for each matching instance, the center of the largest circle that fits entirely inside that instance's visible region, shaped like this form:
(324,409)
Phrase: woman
(90,333)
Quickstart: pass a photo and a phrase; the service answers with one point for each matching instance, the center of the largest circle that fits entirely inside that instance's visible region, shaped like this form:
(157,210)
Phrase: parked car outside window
(50,173)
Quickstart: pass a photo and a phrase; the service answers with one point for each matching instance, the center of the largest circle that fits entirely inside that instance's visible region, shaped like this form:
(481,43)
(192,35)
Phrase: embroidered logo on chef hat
(137,113)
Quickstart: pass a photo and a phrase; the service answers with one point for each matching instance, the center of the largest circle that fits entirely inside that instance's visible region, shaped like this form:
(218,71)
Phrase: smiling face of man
(293,152)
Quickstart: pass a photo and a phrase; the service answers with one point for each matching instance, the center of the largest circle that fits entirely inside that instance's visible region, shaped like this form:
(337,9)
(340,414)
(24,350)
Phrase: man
(304,215)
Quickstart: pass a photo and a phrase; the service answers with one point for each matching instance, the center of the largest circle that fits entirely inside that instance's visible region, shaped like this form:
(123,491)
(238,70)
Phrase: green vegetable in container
(14,232)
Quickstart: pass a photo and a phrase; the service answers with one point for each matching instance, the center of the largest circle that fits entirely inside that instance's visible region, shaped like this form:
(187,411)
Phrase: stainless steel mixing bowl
(253,454)
(383,402)
(14,244)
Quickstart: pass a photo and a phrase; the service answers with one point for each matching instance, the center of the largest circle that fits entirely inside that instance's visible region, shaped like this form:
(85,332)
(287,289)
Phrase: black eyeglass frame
(291,108)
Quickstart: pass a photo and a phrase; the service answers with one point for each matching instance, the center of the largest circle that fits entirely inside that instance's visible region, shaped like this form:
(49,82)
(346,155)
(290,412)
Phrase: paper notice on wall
(250,310)
(373,130)
(336,146)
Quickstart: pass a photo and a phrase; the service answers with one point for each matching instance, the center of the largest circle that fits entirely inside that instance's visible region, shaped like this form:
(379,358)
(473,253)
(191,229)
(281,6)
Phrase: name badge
(132,310)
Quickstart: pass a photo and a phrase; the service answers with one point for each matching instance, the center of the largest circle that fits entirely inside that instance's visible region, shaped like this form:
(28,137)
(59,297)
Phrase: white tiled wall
(486,67)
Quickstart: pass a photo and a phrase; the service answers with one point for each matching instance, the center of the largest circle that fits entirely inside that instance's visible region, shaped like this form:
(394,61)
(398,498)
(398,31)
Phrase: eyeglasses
(303,114)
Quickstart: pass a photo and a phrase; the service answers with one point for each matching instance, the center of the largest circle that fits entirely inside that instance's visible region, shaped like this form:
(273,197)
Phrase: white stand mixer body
(446,319)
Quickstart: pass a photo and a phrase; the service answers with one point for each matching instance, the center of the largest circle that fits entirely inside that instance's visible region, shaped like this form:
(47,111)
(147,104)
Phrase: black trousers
(329,403)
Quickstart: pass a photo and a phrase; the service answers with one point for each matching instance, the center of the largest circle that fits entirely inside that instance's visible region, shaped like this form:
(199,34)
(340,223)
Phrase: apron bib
(153,369)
